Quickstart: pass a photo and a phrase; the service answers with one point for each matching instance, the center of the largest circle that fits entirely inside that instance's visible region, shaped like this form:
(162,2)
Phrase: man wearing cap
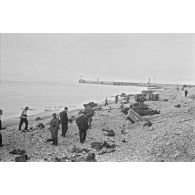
(23,118)
(64,121)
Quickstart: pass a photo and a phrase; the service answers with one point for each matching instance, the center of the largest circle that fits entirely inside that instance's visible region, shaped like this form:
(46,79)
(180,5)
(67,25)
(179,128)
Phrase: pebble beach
(171,138)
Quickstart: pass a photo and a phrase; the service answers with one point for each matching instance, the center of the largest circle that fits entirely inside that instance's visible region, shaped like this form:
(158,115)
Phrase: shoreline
(13,121)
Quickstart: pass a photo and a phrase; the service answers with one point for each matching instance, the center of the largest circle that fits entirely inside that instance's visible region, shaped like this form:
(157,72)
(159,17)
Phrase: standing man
(82,123)
(64,121)
(116,99)
(186,92)
(1,112)
(89,112)
(54,127)
(23,118)
(106,102)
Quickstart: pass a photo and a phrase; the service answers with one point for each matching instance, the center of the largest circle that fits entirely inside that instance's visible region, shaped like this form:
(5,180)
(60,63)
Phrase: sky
(170,58)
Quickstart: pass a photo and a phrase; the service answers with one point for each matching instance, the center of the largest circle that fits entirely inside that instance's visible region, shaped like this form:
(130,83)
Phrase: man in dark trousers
(186,92)
(89,112)
(1,112)
(23,118)
(82,123)
(64,121)
(106,102)
(54,127)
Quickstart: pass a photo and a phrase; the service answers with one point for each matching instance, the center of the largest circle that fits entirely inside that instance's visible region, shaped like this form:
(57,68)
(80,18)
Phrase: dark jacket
(54,124)
(82,122)
(89,111)
(63,117)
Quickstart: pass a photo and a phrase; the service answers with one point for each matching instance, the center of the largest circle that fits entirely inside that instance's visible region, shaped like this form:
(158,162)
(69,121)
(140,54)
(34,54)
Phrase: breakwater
(118,83)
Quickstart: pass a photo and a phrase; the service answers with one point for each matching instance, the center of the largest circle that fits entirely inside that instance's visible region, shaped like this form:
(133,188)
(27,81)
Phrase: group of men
(83,122)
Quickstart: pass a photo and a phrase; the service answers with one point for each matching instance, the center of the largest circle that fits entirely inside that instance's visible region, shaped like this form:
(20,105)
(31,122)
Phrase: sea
(43,96)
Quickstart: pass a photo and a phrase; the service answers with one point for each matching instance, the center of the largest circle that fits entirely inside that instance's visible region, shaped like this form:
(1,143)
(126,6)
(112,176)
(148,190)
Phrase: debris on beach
(141,109)
(90,157)
(40,126)
(104,151)
(77,150)
(123,132)
(22,158)
(90,104)
(108,132)
(17,152)
(98,108)
(148,123)
(178,106)
(38,118)
(100,145)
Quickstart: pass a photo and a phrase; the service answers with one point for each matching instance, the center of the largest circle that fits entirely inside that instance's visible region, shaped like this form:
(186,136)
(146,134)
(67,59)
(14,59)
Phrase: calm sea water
(41,96)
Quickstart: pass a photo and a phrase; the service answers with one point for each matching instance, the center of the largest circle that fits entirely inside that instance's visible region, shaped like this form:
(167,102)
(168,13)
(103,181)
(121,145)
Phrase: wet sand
(170,138)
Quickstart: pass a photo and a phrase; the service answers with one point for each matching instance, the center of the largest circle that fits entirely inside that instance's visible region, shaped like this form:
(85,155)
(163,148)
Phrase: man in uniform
(89,112)
(64,121)
(54,127)
(82,123)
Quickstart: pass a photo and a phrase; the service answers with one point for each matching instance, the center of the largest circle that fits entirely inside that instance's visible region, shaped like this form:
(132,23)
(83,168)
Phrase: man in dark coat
(186,92)
(64,121)
(82,123)
(89,112)
(1,112)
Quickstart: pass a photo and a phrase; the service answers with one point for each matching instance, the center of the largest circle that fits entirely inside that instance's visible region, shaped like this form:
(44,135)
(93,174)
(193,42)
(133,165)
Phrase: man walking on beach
(54,127)
(23,118)
(64,121)
(89,112)
(82,123)
(1,112)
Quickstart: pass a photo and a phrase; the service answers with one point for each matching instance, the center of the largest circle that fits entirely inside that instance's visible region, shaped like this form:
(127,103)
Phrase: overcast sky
(170,58)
